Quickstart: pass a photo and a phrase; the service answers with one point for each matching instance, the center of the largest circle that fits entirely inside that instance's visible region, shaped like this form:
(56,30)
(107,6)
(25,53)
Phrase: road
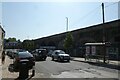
(72,69)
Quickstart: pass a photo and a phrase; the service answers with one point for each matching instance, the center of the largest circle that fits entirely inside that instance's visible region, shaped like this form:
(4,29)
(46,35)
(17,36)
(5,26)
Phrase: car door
(56,55)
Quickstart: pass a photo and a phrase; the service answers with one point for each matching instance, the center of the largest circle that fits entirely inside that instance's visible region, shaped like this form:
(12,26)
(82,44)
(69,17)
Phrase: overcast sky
(32,20)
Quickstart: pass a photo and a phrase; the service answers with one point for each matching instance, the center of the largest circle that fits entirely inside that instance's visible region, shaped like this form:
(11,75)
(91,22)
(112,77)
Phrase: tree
(68,42)
(12,39)
(28,44)
(18,41)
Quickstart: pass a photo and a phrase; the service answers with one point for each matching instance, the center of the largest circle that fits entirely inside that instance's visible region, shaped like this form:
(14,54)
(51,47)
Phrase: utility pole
(66,24)
(103,22)
(67,51)
(104,59)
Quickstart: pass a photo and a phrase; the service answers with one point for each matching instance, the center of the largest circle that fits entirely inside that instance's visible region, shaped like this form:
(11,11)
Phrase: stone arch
(88,39)
(82,41)
(112,39)
(42,43)
(60,44)
(51,43)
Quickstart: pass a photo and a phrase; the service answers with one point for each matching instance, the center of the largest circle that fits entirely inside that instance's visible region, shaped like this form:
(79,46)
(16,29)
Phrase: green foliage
(28,44)
(12,39)
(68,42)
(13,43)
(19,40)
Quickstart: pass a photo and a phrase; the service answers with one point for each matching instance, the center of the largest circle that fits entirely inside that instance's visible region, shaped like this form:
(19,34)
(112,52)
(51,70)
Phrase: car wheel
(68,60)
(44,59)
(59,59)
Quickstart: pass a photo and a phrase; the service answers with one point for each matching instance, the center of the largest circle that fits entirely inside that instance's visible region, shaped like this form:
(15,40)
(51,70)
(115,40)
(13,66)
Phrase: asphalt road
(72,69)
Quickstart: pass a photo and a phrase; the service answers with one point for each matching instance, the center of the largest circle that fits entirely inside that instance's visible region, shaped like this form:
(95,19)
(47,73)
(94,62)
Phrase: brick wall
(1,40)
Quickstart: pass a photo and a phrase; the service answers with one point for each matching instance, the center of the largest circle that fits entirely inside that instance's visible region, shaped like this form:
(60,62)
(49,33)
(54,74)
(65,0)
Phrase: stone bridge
(84,35)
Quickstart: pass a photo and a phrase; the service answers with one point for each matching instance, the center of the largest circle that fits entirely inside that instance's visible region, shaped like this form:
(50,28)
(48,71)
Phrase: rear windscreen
(24,55)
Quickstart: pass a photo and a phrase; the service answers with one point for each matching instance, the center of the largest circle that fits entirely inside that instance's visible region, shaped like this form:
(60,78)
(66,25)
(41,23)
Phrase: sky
(32,20)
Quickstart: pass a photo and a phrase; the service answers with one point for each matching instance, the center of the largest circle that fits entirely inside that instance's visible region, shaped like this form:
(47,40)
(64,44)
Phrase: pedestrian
(3,57)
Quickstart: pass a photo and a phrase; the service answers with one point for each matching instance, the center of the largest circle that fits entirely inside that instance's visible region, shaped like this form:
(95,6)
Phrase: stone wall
(85,35)
(2,34)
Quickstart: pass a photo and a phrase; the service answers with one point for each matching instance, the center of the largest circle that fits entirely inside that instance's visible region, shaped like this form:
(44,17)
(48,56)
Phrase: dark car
(60,56)
(50,53)
(40,54)
(23,59)
(10,54)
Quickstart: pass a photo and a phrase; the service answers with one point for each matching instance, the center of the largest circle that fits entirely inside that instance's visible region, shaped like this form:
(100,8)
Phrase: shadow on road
(39,60)
(111,66)
(101,64)
(61,61)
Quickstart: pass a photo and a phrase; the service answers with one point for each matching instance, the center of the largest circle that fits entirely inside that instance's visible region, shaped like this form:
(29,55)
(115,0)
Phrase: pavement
(4,73)
(109,63)
(112,62)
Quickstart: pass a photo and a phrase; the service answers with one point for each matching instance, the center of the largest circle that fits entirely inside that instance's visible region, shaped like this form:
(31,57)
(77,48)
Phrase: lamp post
(66,24)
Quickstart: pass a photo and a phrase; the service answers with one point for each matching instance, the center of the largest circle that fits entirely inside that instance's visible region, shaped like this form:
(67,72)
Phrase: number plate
(24,63)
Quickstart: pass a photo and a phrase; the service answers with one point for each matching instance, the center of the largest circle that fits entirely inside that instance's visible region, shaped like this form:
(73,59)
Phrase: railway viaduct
(84,35)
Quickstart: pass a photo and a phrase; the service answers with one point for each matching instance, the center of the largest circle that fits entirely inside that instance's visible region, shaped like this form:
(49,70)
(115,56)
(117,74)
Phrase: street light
(66,24)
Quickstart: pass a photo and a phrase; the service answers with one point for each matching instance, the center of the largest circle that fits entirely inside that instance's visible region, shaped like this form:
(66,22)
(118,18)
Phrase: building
(91,34)
(12,45)
(2,35)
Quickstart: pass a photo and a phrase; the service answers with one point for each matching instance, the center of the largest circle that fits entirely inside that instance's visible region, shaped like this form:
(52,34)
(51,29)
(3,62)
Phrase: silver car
(60,55)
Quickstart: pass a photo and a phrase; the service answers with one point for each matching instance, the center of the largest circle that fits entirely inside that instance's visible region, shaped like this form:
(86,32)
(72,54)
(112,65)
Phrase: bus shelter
(96,52)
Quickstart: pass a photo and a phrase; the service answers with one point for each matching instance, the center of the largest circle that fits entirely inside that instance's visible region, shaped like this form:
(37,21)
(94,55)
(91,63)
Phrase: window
(2,35)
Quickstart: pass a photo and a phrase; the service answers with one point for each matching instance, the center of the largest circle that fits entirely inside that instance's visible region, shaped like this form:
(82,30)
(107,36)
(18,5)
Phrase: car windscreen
(59,52)
(42,51)
(24,55)
(62,52)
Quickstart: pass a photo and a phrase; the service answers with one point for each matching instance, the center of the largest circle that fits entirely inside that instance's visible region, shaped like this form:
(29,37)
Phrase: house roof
(2,28)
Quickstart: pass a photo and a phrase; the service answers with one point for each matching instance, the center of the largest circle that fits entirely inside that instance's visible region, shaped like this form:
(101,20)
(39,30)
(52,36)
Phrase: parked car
(40,54)
(11,54)
(60,56)
(23,59)
(50,53)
